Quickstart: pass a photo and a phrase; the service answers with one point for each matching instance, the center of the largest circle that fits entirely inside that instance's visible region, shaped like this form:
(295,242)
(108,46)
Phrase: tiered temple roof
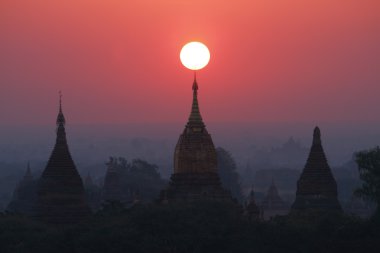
(61,196)
(195,162)
(316,187)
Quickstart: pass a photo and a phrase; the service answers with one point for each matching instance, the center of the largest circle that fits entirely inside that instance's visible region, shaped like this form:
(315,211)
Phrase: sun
(194,55)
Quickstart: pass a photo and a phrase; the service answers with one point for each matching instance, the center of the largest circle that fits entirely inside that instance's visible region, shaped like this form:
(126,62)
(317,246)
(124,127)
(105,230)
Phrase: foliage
(369,169)
(140,178)
(228,173)
(190,227)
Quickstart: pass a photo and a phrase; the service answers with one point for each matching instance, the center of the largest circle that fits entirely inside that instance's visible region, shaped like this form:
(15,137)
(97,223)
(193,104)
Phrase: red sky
(117,61)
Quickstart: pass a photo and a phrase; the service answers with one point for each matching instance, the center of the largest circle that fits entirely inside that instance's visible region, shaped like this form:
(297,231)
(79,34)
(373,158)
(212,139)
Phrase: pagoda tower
(316,187)
(24,196)
(112,189)
(273,204)
(252,210)
(195,162)
(61,197)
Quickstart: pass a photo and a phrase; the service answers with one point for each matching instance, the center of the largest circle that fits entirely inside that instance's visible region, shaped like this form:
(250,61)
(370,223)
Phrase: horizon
(340,141)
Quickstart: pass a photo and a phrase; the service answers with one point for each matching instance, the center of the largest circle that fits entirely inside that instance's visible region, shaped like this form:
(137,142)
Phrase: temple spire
(61,132)
(316,187)
(61,197)
(252,195)
(28,173)
(195,115)
(317,136)
(60,118)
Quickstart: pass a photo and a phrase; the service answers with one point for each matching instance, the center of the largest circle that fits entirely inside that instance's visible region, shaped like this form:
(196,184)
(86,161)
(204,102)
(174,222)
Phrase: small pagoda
(61,197)
(253,212)
(24,196)
(112,190)
(316,187)
(273,204)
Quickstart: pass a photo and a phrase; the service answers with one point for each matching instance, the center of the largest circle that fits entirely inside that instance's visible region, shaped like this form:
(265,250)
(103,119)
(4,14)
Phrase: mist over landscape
(256,148)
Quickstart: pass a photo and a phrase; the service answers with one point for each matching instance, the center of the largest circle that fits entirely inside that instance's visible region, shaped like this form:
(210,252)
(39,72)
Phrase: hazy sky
(117,61)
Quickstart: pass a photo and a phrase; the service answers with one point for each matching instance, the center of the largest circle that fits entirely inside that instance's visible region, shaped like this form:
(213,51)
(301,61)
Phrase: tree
(139,179)
(369,170)
(229,176)
(143,179)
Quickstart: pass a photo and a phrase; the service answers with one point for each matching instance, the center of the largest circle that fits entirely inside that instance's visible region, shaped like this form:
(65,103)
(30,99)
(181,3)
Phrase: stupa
(195,174)
(61,197)
(316,187)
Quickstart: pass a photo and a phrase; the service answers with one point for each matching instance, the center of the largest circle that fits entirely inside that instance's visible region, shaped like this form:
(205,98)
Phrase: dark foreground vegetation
(197,227)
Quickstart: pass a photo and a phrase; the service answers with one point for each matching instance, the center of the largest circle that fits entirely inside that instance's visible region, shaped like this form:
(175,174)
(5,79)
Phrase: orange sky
(117,61)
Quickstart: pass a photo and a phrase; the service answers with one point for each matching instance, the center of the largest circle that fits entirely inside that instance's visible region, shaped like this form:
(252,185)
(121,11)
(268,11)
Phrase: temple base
(193,187)
(316,203)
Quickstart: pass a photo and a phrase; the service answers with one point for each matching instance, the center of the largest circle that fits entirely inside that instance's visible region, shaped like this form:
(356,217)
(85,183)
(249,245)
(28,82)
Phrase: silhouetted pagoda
(273,204)
(252,210)
(112,190)
(195,163)
(316,187)
(61,196)
(24,196)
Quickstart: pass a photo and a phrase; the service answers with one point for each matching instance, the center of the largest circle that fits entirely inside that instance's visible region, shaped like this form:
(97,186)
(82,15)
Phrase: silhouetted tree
(143,179)
(369,169)
(139,179)
(228,173)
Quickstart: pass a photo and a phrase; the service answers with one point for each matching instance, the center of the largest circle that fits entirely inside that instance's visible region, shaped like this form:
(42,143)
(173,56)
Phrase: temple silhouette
(112,189)
(316,187)
(60,197)
(252,210)
(24,196)
(195,174)
(60,194)
(272,204)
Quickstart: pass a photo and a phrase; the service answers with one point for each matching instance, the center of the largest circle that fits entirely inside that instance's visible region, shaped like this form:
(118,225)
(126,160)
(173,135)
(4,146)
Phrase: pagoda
(251,209)
(61,197)
(273,204)
(24,196)
(195,174)
(112,190)
(316,187)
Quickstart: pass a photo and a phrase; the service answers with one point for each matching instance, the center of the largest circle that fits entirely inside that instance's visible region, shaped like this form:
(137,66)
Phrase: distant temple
(24,196)
(195,163)
(112,190)
(61,196)
(252,211)
(273,204)
(316,187)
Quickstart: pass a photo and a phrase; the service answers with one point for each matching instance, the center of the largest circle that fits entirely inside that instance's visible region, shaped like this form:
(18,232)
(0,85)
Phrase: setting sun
(195,55)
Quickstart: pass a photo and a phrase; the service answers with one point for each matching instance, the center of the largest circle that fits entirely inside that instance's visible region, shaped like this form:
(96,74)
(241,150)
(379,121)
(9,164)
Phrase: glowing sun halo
(194,55)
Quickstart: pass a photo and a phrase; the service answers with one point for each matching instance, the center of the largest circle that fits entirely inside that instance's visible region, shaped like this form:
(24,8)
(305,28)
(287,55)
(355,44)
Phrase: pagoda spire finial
(60,100)
(28,173)
(60,118)
(272,184)
(252,194)
(195,115)
(317,136)
(61,132)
